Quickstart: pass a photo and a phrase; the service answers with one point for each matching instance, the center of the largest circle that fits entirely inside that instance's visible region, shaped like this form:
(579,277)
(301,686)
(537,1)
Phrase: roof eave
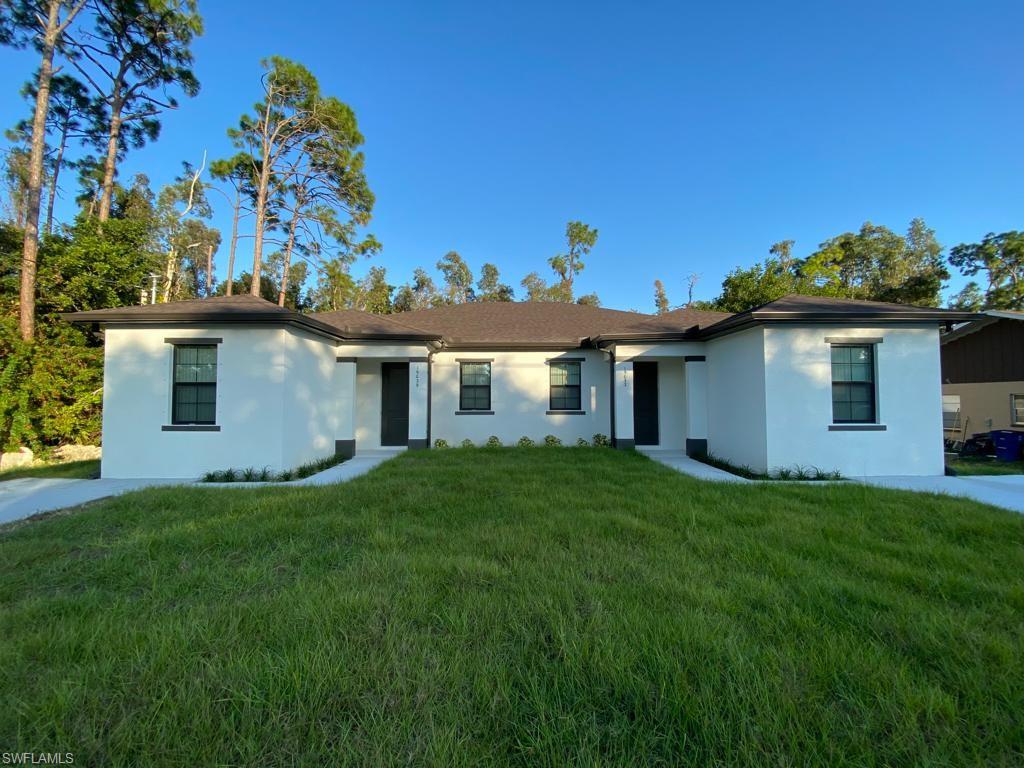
(604,339)
(747,320)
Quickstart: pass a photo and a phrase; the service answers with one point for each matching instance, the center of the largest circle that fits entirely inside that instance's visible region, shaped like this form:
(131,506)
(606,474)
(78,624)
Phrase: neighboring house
(983,373)
(237,382)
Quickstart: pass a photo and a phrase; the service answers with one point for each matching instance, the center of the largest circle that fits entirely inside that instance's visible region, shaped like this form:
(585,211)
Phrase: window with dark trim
(565,386)
(1017,410)
(474,386)
(194,397)
(853,384)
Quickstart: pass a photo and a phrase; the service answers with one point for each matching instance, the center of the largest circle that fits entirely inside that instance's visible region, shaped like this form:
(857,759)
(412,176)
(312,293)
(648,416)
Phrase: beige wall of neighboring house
(986,405)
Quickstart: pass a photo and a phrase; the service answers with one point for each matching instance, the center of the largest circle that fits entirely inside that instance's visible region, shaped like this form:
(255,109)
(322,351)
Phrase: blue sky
(691,135)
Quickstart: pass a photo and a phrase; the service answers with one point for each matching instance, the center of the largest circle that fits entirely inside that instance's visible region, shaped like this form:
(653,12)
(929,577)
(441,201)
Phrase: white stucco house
(239,382)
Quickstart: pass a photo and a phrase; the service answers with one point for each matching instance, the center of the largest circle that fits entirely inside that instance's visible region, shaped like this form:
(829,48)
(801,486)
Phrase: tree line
(875,264)
(300,204)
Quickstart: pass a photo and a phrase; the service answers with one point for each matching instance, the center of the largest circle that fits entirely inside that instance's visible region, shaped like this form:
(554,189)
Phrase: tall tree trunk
(234,243)
(110,163)
(288,257)
(261,201)
(58,162)
(209,270)
(30,243)
(169,277)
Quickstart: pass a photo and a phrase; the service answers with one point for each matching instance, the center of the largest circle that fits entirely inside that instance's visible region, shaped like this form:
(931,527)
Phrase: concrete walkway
(31,496)
(1006,491)
(680,462)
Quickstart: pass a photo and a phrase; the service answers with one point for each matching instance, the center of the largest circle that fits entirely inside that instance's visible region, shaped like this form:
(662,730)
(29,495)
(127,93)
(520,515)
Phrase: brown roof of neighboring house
(526,324)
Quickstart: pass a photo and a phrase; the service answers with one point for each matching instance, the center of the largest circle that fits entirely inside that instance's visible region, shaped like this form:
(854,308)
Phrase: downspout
(430,393)
(611,381)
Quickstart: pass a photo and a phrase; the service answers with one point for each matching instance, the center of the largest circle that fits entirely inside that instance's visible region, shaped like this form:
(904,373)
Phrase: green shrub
(493,442)
(525,442)
(551,441)
(440,443)
(601,441)
(582,443)
(467,443)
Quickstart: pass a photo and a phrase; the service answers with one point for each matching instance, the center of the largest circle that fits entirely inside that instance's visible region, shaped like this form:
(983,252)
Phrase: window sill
(474,413)
(190,428)
(857,427)
(567,413)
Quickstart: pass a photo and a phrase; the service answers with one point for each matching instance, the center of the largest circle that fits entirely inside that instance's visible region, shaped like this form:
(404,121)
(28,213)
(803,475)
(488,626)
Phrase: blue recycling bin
(1008,444)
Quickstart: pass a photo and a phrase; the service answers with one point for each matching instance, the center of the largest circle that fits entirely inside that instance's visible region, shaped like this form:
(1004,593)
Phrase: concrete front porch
(660,398)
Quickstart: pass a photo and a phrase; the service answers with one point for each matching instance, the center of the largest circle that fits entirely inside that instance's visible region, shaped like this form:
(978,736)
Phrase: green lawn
(982,465)
(517,606)
(71,470)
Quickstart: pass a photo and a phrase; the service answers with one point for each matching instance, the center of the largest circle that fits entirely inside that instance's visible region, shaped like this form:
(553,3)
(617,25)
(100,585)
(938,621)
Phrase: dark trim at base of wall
(566,413)
(190,428)
(856,427)
(696,447)
(418,444)
(625,443)
(346,449)
(695,358)
(345,360)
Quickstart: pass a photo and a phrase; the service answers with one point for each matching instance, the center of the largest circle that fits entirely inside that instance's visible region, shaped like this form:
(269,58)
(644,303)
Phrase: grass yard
(984,465)
(517,606)
(71,470)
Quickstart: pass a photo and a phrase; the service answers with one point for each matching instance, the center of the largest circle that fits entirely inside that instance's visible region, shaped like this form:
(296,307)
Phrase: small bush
(493,442)
(467,443)
(821,474)
(582,443)
(265,475)
(525,442)
(784,473)
(801,473)
(601,441)
(249,474)
(286,476)
(440,443)
(551,441)
(229,476)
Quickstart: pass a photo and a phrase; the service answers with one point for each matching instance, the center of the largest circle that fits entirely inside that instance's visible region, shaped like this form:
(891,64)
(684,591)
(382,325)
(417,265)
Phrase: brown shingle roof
(220,306)
(521,323)
(358,323)
(543,323)
(218,309)
(823,309)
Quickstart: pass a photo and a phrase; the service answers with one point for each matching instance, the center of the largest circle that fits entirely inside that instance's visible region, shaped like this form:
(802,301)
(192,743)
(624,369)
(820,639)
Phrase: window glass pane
(840,411)
(840,372)
(853,383)
(840,354)
(565,386)
(861,412)
(860,372)
(195,384)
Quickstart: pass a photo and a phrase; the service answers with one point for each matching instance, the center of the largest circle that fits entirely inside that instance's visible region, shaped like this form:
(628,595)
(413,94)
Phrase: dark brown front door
(645,403)
(394,404)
